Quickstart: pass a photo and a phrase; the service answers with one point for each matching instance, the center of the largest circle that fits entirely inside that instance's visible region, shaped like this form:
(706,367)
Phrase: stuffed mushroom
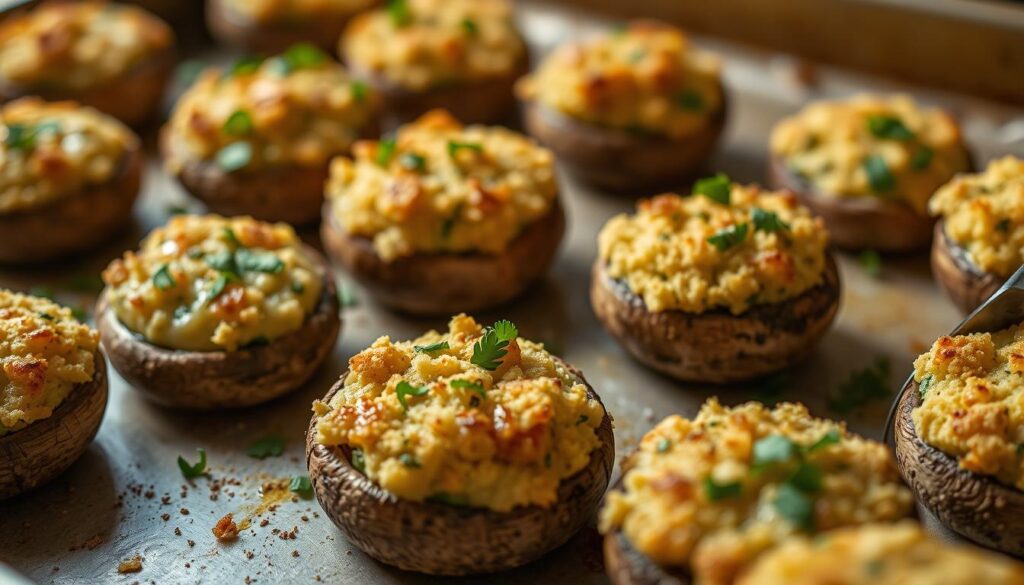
(444,218)
(726,285)
(958,430)
(70,178)
(701,500)
(635,110)
(53,390)
(270,26)
(464,452)
(868,166)
(460,55)
(257,139)
(980,236)
(216,312)
(114,58)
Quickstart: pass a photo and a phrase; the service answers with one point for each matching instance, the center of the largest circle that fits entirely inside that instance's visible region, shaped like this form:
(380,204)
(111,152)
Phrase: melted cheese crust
(209,283)
(442,187)
(972,405)
(508,442)
(52,150)
(667,512)
(438,43)
(44,354)
(664,255)
(829,144)
(645,78)
(78,45)
(984,214)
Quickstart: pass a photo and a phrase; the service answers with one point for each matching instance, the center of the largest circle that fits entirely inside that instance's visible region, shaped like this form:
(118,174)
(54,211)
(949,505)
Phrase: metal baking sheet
(127,497)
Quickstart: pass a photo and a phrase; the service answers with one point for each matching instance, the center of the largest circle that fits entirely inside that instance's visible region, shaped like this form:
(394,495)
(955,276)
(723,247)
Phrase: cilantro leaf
(238,123)
(190,470)
(469,26)
(889,128)
(871,262)
(925,384)
(359,91)
(301,485)
(234,156)
(795,506)
(921,158)
(398,12)
(409,460)
(220,284)
(412,162)
(773,449)
(406,389)
(807,478)
(767,221)
(454,146)
(728,237)
(471,386)
(255,261)
(721,491)
(268,446)
(440,345)
(385,150)
(493,345)
(717,188)
(162,278)
(359,460)
(831,437)
(245,66)
(879,176)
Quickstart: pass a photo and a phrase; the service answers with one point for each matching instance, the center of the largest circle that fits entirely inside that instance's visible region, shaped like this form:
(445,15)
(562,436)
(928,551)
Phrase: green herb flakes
(471,386)
(398,12)
(234,156)
(879,176)
(359,91)
(889,128)
(925,383)
(921,158)
(439,346)
(794,506)
(730,236)
(268,446)
(717,188)
(238,123)
(767,221)
(774,449)
(162,278)
(301,485)
(411,161)
(409,460)
(831,437)
(359,460)
(454,146)
(405,389)
(385,150)
(715,492)
(690,101)
(191,471)
(871,262)
(255,261)
(469,26)
(664,445)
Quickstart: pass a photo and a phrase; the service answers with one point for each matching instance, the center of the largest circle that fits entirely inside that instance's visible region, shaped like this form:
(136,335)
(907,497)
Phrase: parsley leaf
(162,278)
(768,221)
(889,128)
(301,485)
(359,91)
(432,347)
(831,437)
(493,345)
(690,100)
(409,460)
(925,384)
(454,146)
(304,56)
(245,66)
(238,123)
(406,389)
(728,237)
(255,261)
(921,158)
(862,388)
(471,386)
(773,449)
(385,150)
(879,176)
(220,284)
(717,188)
(191,471)
(663,445)
(25,136)
(795,506)
(398,12)
(871,262)
(359,460)
(412,162)
(234,156)
(268,446)
(469,26)
(807,478)
(721,491)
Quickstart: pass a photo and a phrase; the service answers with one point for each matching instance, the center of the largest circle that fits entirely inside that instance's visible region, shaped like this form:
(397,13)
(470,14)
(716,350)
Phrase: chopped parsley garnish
(297,288)
(795,506)
(773,449)
(471,386)
(25,136)
(220,284)
(717,188)
(925,384)
(469,26)
(767,221)
(268,446)
(245,66)
(871,262)
(398,12)
(301,485)
(255,261)
(409,460)
(879,176)
(728,237)
(921,158)
(432,347)
(862,388)
(721,491)
(492,347)
(831,437)
(176,210)
(79,313)
(359,460)
(449,222)
(234,156)
(359,91)
(298,56)
(45,315)
(238,123)
(385,150)
(807,478)
(690,100)
(162,278)
(454,146)
(406,389)
(412,162)
(190,470)
(232,238)
(889,128)
(664,445)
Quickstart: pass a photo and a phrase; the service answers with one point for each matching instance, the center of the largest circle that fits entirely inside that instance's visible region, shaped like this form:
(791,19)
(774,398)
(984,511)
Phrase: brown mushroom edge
(975,506)
(72,224)
(443,284)
(134,98)
(220,379)
(489,101)
(619,160)
(858,223)
(441,539)
(966,284)
(36,454)
(233,29)
(716,346)
(628,566)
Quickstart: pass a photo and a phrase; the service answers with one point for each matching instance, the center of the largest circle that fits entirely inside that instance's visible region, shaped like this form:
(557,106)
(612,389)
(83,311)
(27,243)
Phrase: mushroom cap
(966,284)
(41,451)
(445,283)
(620,160)
(75,223)
(233,29)
(441,539)
(858,223)
(976,506)
(206,380)
(716,346)
(628,566)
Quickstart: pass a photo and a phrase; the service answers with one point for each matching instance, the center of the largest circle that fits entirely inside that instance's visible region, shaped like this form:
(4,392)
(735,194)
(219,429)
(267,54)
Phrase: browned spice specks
(132,565)
(264,522)
(165,517)
(249,554)
(184,511)
(226,529)
(191,542)
(295,553)
(177,531)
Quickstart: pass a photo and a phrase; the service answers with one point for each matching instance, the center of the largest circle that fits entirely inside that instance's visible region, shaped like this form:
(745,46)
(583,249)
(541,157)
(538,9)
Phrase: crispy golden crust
(219,379)
(434,284)
(716,346)
(41,451)
(443,539)
(619,160)
(967,285)
(86,219)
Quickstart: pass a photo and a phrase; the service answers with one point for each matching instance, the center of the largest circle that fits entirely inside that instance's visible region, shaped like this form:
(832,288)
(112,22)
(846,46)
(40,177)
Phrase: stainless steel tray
(127,497)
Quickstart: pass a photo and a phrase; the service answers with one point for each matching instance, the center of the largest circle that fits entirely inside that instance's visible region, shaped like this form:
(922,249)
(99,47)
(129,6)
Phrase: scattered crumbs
(149,495)
(188,565)
(295,553)
(191,543)
(165,500)
(165,516)
(184,511)
(132,565)
(249,554)
(226,530)
(264,522)
(304,518)
(177,531)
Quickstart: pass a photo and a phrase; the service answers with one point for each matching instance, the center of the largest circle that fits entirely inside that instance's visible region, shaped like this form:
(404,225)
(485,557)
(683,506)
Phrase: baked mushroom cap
(197,380)
(34,455)
(445,283)
(965,283)
(716,346)
(231,28)
(975,506)
(74,223)
(858,223)
(620,160)
(442,539)
(628,566)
